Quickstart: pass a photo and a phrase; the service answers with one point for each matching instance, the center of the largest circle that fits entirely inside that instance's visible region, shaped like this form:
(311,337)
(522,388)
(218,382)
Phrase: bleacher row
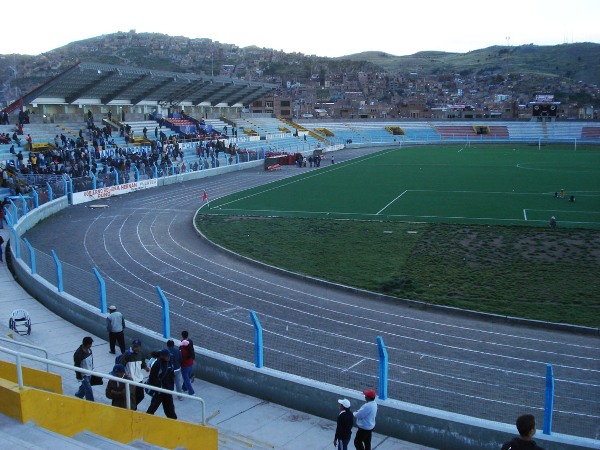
(272,134)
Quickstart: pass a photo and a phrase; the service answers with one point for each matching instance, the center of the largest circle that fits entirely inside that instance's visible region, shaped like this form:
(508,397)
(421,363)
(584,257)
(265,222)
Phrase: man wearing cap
(83,359)
(116,390)
(343,431)
(134,363)
(365,421)
(162,375)
(115,325)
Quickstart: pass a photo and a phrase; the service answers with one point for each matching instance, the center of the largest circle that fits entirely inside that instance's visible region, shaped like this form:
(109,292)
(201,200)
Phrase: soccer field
(511,184)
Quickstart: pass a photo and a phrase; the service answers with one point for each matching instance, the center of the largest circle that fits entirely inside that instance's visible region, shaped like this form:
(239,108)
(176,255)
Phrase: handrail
(12,341)
(19,355)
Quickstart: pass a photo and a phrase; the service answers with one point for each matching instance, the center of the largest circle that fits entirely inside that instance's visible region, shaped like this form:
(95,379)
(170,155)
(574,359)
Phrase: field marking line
(391,202)
(460,150)
(564,211)
(338,166)
(354,365)
(525,214)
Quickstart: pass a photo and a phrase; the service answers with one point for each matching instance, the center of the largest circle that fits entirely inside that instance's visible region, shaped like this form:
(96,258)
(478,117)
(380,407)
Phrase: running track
(452,362)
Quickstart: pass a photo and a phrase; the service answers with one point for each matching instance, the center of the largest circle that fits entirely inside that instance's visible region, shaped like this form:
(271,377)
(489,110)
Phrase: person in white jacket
(365,421)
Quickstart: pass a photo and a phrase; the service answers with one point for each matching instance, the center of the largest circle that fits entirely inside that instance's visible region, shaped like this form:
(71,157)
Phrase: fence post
(549,401)
(59,277)
(116,178)
(15,211)
(102,287)
(70,190)
(23,204)
(65,188)
(17,241)
(165,313)
(93,180)
(137,173)
(50,193)
(383,369)
(31,256)
(258,341)
(36,200)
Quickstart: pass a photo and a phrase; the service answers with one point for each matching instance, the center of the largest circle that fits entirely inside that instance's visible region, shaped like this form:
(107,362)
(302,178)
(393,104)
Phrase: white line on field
(382,209)
(525,215)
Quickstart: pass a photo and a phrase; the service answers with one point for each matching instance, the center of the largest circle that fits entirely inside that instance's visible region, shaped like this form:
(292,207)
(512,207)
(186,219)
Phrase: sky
(314,27)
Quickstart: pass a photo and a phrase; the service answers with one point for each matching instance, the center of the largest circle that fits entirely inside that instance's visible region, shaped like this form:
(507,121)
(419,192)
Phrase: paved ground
(489,369)
(243,422)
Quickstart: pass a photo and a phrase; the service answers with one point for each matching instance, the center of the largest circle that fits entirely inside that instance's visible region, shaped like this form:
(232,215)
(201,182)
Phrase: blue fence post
(137,173)
(549,401)
(15,211)
(383,369)
(258,341)
(31,256)
(23,204)
(102,288)
(165,315)
(59,276)
(8,217)
(17,242)
(155,171)
(70,190)
(94,181)
(36,200)
(116,178)
(50,193)
(65,188)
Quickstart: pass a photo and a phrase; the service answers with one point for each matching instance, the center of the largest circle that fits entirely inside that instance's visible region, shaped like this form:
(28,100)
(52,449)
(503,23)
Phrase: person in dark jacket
(116,390)
(83,358)
(526,428)
(162,374)
(343,431)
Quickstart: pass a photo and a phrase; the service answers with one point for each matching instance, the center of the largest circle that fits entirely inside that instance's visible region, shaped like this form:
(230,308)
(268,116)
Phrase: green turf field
(510,184)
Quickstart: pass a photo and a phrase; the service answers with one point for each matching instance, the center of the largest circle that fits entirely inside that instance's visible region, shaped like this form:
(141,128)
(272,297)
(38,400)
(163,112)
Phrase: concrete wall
(434,428)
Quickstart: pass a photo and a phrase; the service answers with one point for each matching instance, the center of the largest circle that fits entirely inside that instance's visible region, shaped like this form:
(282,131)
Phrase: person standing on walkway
(365,421)
(343,431)
(116,390)
(84,359)
(162,375)
(185,337)
(176,361)
(134,363)
(187,365)
(115,325)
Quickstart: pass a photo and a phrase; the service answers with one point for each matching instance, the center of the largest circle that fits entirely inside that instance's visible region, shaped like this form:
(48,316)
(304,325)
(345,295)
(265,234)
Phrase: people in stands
(526,429)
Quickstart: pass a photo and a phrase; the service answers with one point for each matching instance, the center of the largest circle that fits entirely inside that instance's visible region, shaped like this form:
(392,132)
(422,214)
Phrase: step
(37,437)
(142,445)
(98,442)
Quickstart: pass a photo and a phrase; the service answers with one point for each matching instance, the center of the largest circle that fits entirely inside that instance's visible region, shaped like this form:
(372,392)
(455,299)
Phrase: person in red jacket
(187,365)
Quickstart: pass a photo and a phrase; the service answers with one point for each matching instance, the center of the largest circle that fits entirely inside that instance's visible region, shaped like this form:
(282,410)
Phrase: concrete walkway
(243,422)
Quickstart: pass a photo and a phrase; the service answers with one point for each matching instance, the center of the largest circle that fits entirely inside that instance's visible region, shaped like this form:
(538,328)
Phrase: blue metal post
(94,181)
(383,369)
(116,178)
(549,401)
(165,317)
(31,256)
(36,200)
(258,341)
(15,210)
(50,193)
(59,276)
(155,171)
(137,173)
(102,287)
(70,189)
(17,242)
(23,204)
(65,187)
(8,216)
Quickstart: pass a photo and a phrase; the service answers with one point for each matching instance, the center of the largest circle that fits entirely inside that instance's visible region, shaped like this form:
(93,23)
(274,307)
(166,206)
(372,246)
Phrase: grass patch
(542,274)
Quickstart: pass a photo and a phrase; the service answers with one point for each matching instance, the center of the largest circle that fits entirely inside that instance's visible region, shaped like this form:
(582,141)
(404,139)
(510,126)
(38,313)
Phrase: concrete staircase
(14,434)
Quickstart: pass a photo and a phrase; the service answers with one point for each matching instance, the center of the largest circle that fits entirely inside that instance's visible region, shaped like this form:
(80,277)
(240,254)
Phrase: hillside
(579,62)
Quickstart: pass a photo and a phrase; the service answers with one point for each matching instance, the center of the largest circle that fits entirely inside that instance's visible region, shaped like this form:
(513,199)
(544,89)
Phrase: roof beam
(96,81)
(159,85)
(125,88)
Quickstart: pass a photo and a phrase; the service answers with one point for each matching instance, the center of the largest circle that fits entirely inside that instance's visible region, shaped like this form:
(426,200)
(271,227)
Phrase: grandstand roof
(103,84)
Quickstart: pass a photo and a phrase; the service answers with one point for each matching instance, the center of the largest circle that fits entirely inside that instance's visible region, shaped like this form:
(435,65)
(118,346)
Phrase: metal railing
(35,347)
(128,383)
